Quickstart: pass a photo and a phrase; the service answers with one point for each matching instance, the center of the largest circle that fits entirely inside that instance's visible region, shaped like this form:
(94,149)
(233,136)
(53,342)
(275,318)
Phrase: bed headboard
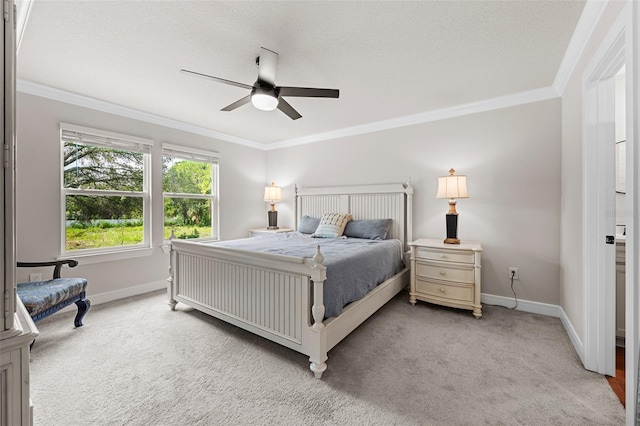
(364,202)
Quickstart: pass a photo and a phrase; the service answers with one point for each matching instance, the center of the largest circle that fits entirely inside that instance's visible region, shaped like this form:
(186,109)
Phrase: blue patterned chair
(44,298)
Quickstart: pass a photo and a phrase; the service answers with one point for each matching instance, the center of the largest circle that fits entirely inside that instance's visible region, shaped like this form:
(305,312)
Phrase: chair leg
(83,307)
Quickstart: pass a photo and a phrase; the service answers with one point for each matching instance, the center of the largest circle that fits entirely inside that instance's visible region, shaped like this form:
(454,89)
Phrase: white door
(600,224)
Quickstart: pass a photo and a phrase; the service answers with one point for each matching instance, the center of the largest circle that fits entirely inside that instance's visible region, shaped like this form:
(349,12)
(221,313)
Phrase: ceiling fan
(265,95)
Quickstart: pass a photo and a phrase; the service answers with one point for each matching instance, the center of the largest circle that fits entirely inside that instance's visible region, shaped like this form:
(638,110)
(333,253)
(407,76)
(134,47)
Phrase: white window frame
(194,154)
(107,139)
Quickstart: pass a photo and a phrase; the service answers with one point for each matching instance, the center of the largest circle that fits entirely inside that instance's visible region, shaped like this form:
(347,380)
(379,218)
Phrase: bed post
(296,207)
(408,237)
(172,262)
(318,354)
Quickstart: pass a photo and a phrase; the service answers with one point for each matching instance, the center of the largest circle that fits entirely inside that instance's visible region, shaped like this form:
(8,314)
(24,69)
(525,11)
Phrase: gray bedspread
(354,266)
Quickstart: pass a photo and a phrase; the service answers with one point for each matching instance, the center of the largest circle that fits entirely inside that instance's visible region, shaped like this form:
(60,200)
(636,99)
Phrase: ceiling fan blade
(237,103)
(220,80)
(288,109)
(267,66)
(309,92)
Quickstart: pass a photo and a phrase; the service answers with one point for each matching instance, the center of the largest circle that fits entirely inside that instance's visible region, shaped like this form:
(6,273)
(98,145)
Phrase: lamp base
(273,220)
(452,229)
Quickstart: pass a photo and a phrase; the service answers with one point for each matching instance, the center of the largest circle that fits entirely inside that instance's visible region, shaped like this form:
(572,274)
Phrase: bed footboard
(269,295)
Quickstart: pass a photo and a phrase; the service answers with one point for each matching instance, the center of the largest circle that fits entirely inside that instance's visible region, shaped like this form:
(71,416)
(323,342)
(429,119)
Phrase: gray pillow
(376,229)
(308,224)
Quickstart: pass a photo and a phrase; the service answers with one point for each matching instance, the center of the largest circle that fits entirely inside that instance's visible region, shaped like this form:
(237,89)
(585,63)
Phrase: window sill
(99,257)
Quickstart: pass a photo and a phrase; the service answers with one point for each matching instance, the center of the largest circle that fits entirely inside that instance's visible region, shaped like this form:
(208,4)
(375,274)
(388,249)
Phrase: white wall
(572,294)
(242,179)
(512,161)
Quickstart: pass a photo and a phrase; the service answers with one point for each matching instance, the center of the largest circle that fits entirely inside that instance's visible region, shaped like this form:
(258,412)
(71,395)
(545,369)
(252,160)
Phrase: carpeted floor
(136,362)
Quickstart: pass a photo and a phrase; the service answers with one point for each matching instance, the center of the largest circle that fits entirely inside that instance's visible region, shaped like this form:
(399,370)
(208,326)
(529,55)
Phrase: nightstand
(446,274)
(261,231)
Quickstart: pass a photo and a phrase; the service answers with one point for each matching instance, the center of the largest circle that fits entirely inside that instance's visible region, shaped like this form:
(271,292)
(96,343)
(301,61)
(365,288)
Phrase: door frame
(599,202)
(620,46)
(632,267)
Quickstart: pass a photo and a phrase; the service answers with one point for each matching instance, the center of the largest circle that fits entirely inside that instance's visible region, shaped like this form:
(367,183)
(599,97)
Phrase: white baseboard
(542,309)
(523,305)
(573,336)
(110,296)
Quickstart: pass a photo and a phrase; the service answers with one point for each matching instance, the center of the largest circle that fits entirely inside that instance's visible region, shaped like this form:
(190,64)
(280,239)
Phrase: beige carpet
(136,362)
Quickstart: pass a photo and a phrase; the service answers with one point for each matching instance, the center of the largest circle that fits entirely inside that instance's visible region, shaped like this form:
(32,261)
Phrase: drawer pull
(443,273)
(442,290)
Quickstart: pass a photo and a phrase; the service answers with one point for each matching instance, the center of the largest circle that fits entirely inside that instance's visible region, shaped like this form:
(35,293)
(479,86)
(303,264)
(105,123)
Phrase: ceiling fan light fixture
(264,102)
(264,99)
(265,95)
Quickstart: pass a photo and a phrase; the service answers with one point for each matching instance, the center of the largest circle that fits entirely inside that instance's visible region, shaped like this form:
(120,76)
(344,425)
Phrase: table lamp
(272,194)
(452,187)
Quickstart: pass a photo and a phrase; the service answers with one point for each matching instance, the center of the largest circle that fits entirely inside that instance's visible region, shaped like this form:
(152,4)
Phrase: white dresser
(446,274)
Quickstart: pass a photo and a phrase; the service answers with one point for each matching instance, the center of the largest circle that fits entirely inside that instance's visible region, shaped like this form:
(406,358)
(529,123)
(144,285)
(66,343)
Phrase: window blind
(86,136)
(187,153)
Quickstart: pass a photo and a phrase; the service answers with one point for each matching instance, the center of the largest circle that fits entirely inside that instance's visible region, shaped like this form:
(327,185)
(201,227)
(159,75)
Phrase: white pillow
(332,225)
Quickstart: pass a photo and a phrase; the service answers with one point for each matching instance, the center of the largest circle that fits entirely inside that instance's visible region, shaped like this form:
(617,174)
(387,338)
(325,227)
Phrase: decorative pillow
(332,225)
(308,224)
(376,229)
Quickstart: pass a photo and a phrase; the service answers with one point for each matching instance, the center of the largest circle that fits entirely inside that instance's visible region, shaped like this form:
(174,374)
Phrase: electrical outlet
(513,272)
(35,277)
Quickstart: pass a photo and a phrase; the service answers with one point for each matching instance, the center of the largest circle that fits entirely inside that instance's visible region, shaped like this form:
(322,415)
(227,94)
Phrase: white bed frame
(281,297)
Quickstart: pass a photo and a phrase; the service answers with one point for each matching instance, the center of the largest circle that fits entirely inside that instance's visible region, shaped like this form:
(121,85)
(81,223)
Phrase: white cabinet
(17,331)
(446,274)
(14,371)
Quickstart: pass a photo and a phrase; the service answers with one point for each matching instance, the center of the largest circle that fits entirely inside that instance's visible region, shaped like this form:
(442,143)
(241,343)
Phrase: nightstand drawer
(443,290)
(445,255)
(445,273)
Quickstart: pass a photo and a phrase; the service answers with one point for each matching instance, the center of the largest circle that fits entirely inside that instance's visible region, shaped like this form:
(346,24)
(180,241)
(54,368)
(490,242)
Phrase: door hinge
(7,313)
(5,8)
(5,155)
(610,239)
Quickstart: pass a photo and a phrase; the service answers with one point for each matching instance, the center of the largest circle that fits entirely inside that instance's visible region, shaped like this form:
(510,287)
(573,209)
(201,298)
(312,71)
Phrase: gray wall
(511,157)
(512,161)
(242,179)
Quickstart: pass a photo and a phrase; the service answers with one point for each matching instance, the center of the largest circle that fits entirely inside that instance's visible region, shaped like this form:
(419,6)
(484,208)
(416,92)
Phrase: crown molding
(587,24)
(500,102)
(426,117)
(98,105)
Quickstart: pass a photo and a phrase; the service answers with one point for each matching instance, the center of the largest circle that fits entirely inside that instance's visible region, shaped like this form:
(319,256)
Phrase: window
(189,184)
(105,190)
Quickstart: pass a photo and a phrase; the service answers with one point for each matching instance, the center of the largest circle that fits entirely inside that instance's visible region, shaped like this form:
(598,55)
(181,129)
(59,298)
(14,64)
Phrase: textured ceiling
(389,59)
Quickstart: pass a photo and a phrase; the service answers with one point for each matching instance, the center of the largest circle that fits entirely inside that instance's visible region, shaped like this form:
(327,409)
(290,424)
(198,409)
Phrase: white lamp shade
(452,187)
(264,101)
(272,194)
